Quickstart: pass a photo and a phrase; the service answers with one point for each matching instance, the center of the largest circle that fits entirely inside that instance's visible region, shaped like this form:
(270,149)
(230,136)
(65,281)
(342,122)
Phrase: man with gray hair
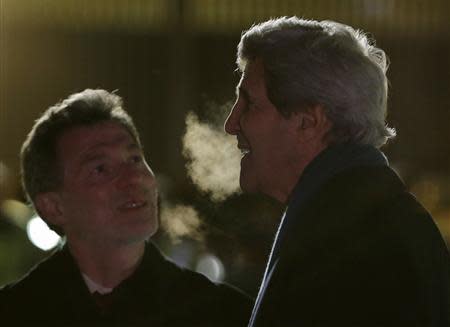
(354,247)
(84,170)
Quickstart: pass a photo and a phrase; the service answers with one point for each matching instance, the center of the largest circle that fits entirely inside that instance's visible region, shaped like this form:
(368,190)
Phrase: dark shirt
(159,293)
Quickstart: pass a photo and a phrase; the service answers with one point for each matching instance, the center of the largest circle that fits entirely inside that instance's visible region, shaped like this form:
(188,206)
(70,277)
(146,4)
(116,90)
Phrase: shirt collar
(95,287)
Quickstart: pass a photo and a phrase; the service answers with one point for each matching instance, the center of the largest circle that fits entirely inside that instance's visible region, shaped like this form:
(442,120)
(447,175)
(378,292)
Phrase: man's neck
(107,265)
(289,177)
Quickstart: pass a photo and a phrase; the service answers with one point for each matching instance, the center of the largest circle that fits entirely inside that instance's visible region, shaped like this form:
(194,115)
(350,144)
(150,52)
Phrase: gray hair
(40,166)
(325,63)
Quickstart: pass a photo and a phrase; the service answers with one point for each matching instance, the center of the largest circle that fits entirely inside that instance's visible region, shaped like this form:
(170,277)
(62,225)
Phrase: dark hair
(40,167)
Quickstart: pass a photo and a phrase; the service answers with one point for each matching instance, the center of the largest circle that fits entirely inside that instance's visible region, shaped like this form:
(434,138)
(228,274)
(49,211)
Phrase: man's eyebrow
(134,146)
(91,157)
(96,152)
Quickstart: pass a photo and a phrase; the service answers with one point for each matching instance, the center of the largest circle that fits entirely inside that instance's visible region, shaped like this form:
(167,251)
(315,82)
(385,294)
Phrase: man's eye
(100,169)
(136,159)
(251,105)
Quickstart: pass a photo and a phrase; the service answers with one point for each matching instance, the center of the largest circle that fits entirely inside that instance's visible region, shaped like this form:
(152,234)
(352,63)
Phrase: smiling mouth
(133,205)
(243,145)
(244,148)
(245,151)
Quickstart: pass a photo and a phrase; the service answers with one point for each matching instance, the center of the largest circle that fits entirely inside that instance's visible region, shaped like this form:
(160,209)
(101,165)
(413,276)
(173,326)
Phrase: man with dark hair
(354,247)
(84,171)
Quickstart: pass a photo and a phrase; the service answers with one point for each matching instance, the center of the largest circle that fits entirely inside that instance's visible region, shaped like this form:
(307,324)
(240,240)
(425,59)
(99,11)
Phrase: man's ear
(313,123)
(48,206)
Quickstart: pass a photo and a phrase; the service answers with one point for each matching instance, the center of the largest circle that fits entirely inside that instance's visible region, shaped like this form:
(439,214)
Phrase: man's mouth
(244,151)
(133,204)
(243,146)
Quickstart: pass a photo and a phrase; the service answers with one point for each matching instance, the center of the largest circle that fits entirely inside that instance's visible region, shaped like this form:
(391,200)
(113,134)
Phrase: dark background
(169,57)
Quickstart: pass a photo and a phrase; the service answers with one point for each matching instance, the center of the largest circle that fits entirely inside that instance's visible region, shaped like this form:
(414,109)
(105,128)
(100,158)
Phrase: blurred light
(442,220)
(17,212)
(183,253)
(41,235)
(211,266)
(428,191)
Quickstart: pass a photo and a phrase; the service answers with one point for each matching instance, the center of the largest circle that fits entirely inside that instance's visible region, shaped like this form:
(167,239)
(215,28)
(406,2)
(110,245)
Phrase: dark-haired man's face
(109,193)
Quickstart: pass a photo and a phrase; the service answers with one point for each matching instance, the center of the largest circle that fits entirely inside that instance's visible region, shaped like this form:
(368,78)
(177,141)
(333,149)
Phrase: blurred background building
(171,57)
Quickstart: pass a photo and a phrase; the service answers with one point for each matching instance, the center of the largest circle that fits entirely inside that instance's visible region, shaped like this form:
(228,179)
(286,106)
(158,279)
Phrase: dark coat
(362,252)
(159,293)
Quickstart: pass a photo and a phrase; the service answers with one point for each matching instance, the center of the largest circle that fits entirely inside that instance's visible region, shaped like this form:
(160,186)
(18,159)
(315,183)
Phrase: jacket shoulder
(36,278)
(30,290)
(192,295)
(367,241)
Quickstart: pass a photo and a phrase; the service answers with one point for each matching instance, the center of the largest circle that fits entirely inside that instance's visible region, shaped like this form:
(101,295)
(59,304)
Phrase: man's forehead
(116,140)
(252,75)
(80,141)
(254,67)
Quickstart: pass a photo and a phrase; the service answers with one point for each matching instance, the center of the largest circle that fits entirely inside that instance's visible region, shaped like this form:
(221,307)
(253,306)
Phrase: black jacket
(159,293)
(362,252)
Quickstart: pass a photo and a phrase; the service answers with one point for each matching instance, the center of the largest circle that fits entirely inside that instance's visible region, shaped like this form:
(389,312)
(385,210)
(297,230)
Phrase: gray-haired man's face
(265,137)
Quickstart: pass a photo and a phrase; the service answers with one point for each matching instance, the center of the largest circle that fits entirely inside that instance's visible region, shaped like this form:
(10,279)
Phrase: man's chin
(137,238)
(140,232)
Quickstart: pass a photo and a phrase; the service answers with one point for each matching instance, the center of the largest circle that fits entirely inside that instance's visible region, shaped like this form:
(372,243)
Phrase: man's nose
(133,175)
(232,123)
